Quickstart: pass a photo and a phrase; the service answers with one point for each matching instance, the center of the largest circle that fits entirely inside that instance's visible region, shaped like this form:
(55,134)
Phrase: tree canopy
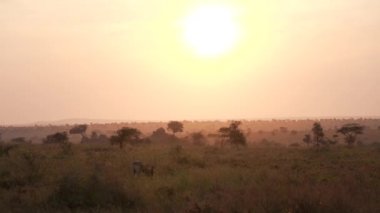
(175,126)
(125,134)
(233,134)
(350,132)
(57,138)
(79,129)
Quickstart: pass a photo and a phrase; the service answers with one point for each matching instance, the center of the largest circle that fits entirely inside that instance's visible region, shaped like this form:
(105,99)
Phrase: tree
(159,133)
(79,129)
(318,134)
(57,138)
(307,139)
(198,138)
(125,134)
(233,134)
(175,126)
(350,132)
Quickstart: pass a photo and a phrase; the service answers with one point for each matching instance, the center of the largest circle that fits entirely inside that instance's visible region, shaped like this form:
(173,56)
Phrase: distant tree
(125,135)
(57,138)
(198,138)
(307,139)
(233,134)
(318,134)
(79,129)
(160,135)
(175,126)
(350,132)
(160,132)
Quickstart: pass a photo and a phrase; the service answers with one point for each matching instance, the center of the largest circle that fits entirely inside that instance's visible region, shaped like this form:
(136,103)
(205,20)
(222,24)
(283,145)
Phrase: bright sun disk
(211,30)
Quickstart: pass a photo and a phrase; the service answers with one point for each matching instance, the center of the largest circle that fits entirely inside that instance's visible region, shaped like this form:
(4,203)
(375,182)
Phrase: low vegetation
(186,173)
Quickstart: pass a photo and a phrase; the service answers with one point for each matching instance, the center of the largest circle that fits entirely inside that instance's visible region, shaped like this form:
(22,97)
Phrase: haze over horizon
(143,60)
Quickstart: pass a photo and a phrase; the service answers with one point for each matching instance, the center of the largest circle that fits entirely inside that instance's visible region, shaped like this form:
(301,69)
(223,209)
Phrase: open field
(189,178)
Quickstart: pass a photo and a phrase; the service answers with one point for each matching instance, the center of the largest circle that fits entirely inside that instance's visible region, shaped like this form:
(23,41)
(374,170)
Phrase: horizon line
(75,121)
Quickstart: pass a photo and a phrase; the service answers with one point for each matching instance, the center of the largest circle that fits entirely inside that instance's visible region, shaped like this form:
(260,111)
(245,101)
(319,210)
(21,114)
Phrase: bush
(57,138)
(92,192)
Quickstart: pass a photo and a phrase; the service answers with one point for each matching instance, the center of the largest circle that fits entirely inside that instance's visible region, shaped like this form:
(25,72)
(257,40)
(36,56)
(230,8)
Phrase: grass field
(189,178)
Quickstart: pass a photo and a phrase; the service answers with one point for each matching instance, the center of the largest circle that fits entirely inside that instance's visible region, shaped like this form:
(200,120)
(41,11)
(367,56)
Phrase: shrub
(90,193)
(57,138)
(233,134)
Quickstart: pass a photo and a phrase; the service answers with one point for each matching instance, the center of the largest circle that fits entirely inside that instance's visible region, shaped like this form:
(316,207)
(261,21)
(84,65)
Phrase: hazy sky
(126,59)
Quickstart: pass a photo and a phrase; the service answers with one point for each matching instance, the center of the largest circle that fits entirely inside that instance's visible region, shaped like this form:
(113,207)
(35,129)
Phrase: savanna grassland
(261,176)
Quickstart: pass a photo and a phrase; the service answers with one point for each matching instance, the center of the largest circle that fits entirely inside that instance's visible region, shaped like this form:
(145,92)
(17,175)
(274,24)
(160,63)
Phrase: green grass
(98,178)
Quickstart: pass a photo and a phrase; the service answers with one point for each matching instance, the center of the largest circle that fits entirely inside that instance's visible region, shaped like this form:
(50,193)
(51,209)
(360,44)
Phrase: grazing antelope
(138,168)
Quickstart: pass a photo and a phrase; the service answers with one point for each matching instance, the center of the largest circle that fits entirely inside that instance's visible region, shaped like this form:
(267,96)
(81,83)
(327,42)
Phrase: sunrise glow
(211,30)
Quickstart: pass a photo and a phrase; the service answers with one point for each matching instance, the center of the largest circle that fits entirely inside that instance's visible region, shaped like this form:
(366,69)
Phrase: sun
(211,30)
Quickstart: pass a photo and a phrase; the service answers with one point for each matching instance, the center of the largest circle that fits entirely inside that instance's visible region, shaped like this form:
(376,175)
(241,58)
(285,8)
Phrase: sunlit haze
(188,60)
(211,30)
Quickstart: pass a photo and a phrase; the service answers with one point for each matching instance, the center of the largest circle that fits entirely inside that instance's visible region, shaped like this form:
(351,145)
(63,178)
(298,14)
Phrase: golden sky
(131,59)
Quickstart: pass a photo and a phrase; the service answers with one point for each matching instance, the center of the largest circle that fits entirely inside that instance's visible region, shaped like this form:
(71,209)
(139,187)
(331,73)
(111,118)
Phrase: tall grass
(188,178)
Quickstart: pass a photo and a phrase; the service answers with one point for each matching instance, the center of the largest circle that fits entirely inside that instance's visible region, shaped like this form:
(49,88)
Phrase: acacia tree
(318,134)
(233,134)
(125,134)
(350,132)
(175,126)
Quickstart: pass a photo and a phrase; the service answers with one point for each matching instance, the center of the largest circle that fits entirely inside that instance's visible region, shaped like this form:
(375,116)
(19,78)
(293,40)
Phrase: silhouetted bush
(175,126)
(350,132)
(79,129)
(126,135)
(198,138)
(57,138)
(160,135)
(318,134)
(232,134)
